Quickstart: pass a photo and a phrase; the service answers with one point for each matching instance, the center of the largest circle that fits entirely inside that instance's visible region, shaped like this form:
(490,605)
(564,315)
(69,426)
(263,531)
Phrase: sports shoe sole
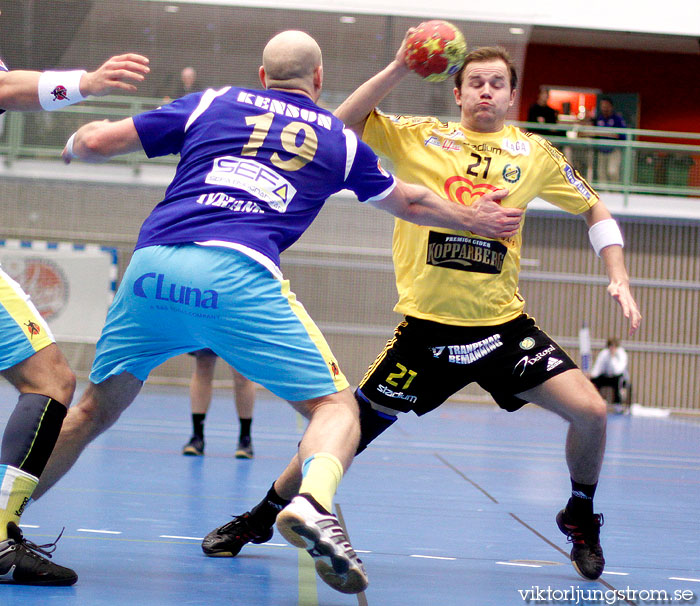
(188,451)
(242,454)
(334,568)
(58,583)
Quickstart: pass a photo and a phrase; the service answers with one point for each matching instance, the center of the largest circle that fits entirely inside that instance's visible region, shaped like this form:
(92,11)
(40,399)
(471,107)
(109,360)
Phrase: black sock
(580,504)
(31,432)
(198,424)
(265,512)
(245,428)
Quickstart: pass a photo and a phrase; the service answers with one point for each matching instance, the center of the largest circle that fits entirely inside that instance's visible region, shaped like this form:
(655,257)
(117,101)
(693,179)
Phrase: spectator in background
(541,112)
(609,158)
(187,84)
(200,400)
(610,370)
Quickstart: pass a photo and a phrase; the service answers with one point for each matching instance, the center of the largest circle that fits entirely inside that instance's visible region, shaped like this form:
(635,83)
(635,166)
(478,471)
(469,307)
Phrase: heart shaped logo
(462,190)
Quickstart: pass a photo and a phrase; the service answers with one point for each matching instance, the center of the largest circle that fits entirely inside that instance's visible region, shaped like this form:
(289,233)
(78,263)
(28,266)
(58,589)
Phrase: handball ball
(435,50)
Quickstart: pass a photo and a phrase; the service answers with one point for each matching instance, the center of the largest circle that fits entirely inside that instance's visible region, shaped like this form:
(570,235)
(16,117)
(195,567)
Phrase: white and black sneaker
(305,524)
(23,563)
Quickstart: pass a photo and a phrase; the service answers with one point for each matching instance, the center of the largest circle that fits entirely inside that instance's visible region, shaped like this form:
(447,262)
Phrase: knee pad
(372,422)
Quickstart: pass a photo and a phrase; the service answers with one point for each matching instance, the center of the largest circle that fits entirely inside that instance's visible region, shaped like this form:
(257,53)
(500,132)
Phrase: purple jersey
(255,168)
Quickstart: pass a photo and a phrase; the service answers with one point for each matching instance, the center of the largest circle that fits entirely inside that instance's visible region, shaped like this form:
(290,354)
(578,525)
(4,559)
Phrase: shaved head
(290,60)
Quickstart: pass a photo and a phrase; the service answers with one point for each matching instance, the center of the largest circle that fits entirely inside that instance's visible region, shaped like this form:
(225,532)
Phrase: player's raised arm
(485,216)
(99,141)
(607,242)
(119,73)
(24,90)
(355,109)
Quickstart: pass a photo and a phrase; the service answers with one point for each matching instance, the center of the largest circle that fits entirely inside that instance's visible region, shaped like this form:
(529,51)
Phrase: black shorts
(426,362)
(202,353)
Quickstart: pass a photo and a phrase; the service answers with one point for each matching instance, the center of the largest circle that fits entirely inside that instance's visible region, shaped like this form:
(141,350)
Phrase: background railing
(652,162)
(341,268)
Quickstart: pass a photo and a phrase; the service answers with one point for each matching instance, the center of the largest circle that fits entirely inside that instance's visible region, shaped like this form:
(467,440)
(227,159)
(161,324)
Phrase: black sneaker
(586,552)
(194,448)
(21,562)
(227,540)
(245,448)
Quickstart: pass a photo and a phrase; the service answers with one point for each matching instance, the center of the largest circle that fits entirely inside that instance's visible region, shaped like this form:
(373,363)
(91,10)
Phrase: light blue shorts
(23,331)
(177,299)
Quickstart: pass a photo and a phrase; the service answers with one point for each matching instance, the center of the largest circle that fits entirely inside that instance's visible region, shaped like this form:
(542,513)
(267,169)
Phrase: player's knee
(65,385)
(93,414)
(595,412)
(372,422)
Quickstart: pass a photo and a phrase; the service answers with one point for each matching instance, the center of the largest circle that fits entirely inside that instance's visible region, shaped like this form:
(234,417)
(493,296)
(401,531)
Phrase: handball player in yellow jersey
(458,291)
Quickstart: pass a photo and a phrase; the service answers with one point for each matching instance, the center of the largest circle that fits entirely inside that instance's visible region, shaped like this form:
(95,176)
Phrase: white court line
(362,551)
(620,574)
(99,531)
(172,536)
(518,564)
(684,579)
(427,557)
(29,526)
(277,544)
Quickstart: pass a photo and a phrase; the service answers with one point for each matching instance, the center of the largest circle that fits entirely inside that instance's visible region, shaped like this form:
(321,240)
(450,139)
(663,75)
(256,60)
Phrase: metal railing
(650,161)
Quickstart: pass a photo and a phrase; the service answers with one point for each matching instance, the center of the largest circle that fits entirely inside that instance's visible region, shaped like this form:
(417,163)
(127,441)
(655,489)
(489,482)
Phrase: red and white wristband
(605,233)
(58,89)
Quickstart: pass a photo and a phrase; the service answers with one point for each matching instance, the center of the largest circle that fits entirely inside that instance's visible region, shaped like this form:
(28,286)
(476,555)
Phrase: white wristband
(69,148)
(58,89)
(605,233)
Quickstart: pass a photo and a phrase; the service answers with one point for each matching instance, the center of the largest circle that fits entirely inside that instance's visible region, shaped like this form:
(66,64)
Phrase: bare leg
(575,399)
(201,384)
(46,385)
(327,449)
(98,409)
(334,426)
(243,394)
(46,373)
(288,483)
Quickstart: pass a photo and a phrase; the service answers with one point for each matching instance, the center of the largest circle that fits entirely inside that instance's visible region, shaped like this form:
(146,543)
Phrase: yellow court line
(308,591)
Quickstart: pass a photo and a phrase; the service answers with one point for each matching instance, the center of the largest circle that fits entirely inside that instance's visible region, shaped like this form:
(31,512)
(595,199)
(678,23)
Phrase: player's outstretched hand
(620,291)
(493,220)
(121,72)
(400,57)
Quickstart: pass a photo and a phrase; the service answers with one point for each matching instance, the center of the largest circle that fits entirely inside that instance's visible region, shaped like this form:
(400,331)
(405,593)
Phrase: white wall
(678,17)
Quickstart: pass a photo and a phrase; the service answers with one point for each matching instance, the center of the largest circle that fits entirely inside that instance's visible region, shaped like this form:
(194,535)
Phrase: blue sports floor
(453,509)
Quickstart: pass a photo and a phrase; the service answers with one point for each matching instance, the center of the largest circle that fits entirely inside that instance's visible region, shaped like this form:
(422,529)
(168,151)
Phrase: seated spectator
(610,370)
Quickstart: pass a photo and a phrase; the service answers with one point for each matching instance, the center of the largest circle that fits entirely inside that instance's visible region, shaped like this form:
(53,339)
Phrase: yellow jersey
(458,277)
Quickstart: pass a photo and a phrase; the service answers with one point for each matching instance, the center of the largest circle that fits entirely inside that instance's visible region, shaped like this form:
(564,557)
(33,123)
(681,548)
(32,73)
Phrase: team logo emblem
(60,93)
(526,361)
(334,369)
(553,363)
(465,191)
(511,173)
(33,328)
(437,351)
(527,343)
